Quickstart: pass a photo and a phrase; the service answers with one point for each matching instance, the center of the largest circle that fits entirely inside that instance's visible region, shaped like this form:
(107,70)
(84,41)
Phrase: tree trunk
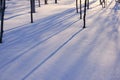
(31,10)
(80,9)
(87,4)
(2,11)
(77,6)
(55,1)
(33,6)
(39,2)
(45,1)
(100,2)
(84,17)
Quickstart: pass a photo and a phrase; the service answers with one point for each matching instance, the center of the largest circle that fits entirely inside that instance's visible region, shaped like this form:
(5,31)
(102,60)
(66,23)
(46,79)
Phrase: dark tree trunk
(77,6)
(2,11)
(39,2)
(0,3)
(80,9)
(87,4)
(84,17)
(55,1)
(45,1)
(33,5)
(100,2)
(103,4)
(31,12)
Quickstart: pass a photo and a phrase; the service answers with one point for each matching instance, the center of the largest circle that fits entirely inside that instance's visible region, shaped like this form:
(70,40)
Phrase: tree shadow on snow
(22,40)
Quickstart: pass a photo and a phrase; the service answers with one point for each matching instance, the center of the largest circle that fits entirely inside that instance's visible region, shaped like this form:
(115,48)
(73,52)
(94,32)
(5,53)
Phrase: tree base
(0,42)
(84,27)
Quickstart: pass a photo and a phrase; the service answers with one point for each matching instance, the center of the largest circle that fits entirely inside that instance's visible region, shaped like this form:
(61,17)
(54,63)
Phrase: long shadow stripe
(44,28)
(53,53)
(32,47)
(39,31)
(43,20)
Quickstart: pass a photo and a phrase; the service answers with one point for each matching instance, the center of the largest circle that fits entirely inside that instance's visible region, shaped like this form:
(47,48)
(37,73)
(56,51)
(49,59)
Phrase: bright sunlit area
(60,40)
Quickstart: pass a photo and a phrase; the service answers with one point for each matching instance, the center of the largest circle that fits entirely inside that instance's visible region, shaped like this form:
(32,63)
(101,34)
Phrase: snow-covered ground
(55,47)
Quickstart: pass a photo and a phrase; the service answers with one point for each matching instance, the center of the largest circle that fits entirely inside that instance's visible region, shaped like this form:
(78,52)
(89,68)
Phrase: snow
(55,47)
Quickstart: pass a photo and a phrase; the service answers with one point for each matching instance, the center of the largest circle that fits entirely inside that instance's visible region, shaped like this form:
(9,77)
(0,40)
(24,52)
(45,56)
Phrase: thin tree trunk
(31,12)
(2,7)
(55,1)
(39,2)
(45,1)
(33,5)
(77,6)
(103,4)
(100,2)
(84,17)
(88,4)
(80,9)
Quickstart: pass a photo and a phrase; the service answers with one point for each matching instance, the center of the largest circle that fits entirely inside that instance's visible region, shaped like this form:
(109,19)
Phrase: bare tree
(46,1)
(80,9)
(2,12)
(31,10)
(87,4)
(77,6)
(100,2)
(33,5)
(55,1)
(39,2)
(84,17)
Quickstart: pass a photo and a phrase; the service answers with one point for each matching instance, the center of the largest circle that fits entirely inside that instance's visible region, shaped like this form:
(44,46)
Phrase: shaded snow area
(55,47)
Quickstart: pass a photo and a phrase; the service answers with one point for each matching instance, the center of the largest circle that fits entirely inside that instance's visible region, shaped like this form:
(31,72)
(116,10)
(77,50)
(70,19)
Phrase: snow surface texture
(55,47)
